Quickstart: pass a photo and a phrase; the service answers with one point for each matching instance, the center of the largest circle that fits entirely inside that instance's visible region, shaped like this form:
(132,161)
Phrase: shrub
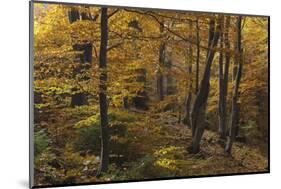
(40,142)
(88,139)
(250,131)
(162,163)
(89,134)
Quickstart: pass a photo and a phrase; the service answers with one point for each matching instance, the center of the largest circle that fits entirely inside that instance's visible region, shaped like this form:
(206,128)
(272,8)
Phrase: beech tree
(197,55)
(103,90)
(224,61)
(159,75)
(237,73)
(188,100)
(198,119)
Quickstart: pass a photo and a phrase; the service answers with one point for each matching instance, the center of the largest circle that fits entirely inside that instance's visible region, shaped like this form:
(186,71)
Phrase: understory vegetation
(142,147)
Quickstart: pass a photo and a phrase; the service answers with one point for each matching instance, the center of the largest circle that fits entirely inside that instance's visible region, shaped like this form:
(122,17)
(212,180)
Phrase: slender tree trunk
(197,56)
(221,112)
(198,121)
(160,92)
(237,72)
(102,93)
(125,103)
(223,81)
(186,119)
(85,59)
(140,101)
(160,87)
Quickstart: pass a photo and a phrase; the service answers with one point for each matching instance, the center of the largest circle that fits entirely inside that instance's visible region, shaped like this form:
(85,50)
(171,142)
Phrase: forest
(125,94)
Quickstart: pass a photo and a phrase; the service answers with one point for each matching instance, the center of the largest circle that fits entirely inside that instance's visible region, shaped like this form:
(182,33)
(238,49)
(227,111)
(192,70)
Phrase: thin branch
(111,14)
(114,46)
(95,51)
(176,18)
(130,36)
(167,28)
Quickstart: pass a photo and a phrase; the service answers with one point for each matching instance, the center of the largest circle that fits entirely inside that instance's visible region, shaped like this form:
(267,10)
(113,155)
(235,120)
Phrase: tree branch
(111,14)
(167,28)
(114,46)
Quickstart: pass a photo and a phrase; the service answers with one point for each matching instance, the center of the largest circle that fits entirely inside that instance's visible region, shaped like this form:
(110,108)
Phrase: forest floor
(168,156)
(211,160)
(157,148)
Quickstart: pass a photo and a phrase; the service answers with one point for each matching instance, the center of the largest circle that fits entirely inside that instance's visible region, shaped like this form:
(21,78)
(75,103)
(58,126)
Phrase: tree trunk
(140,101)
(102,93)
(237,72)
(160,87)
(223,81)
(125,103)
(198,122)
(225,76)
(187,105)
(85,59)
(197,56)
(221,88)
(186,119)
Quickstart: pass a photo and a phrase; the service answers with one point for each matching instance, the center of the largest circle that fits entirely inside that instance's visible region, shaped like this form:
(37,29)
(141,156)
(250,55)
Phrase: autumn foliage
(132,94)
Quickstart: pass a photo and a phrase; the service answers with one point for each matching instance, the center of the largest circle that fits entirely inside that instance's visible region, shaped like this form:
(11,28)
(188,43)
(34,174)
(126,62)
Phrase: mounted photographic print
(121,94)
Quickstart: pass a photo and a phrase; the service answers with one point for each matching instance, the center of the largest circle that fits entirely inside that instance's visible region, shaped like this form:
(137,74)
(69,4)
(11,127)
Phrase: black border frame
(31,104)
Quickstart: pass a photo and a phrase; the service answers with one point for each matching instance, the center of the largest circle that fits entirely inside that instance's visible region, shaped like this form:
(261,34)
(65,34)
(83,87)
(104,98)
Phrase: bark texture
(102,93)
(140,101)
(198,122)
(223,79)
(162,76)
(197,56)
(188,100)
(237,73)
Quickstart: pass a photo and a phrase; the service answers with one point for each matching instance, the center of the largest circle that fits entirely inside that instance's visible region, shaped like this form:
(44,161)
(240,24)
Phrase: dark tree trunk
(198,122)
(186,119)
(85,59)
(160,92)
(197,56)
(223,80)
(125,103)
(160,77)
(102,93)
(221,88)
(187,106)
(237,72)
(140,101)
